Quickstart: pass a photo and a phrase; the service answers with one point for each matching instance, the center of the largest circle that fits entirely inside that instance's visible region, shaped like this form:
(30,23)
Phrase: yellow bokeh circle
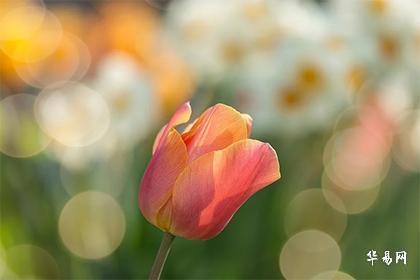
(20,135)
(92,225)
(333,275)
(308,253)
(29,33)
(354,201)
(69,61)
(310,210)
(28,261)
(73,114)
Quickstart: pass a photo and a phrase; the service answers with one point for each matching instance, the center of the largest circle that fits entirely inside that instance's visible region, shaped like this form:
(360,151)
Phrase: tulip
(197,179)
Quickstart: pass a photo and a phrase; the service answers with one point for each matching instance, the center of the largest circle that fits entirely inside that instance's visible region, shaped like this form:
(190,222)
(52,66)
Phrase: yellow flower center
(121,101)
(335,43)
(309,77)
(378,6)
(268,39)
(356,77)
(290,98)
(232,52)
(255,10)
(388,46)
(195,30)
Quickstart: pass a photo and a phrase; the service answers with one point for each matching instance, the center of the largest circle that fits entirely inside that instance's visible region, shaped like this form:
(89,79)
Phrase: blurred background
(332,85)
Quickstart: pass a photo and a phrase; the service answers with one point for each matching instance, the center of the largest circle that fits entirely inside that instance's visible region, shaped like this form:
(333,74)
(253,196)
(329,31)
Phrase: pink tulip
(197,179)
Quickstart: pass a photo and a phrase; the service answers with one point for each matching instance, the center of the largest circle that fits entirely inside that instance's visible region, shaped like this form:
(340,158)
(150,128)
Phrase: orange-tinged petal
(169,159)
(213,187)
(182,115)
(248,119)
(190,126)
(156,186)
(216,129)
(158,138)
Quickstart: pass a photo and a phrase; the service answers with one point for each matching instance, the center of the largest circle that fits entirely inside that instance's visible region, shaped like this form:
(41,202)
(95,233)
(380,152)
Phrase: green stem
(162,254)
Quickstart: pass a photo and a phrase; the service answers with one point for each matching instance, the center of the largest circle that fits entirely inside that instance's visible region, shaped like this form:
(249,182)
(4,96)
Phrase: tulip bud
(197,179)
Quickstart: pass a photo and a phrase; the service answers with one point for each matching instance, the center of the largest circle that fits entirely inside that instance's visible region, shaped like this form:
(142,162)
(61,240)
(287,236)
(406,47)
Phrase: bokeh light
(28,261)
(78,158)
(20,135)
(308,253)
(355,201)
(12,15)
(356,159)
(333,275)
(29,33)
(92,225)
(69,61)
(407,149)
(72,114)
(110,176)
(310,210)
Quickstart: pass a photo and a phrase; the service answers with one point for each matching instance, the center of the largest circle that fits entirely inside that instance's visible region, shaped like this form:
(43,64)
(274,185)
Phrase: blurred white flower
(72,113)
(80,158)
(302,92)
(383,28)
(301,20)
(406,151)
(395,96)
(197,28)
(221,38)
(129,96)
(294,64)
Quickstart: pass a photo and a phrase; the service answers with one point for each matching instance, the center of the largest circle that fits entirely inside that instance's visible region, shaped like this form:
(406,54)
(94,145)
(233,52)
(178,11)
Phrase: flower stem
(162,254)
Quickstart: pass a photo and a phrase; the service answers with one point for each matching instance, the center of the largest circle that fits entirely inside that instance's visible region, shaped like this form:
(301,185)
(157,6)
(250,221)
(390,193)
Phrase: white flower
(303,91)
(384,28)
(395,96)
(222,38)
(197,28)
(128,93)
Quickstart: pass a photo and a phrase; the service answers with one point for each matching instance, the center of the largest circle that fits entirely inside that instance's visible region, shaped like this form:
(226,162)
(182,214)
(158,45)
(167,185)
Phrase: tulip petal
(160,176)
(248,119)
(216,129)
(158,138)
(170,157)
(213,187)
(182,115)
(189,126)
